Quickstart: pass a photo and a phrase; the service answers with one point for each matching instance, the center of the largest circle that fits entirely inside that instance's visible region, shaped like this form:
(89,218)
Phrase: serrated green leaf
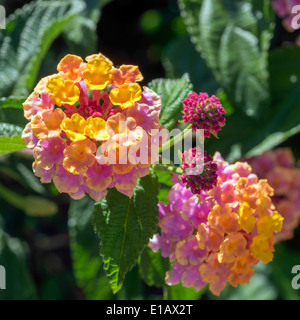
(172,92)
(11,144)
(237,138)
(243,69)
(233,37)
(124,226)
(80,33)
(28,36)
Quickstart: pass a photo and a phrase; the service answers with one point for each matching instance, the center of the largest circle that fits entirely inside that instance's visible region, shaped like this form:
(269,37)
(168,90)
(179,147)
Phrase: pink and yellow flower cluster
(278,166)
(217,236)
(77,111)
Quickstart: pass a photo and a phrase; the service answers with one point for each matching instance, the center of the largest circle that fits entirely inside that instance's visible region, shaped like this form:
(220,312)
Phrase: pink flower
(217,236)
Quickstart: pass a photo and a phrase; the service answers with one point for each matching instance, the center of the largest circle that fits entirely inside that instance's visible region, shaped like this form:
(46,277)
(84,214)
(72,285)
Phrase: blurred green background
(47,243)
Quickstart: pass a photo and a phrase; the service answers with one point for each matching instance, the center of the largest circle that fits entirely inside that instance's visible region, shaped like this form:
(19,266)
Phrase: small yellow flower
(97,74)
(62,91)
(277,221)
(266,225)
(95,129)
(74,127)
(246,219)
(126,95)
(262,248)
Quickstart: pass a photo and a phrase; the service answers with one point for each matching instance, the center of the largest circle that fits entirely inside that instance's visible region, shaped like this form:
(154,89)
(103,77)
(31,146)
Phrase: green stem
(176,139)
(167,168)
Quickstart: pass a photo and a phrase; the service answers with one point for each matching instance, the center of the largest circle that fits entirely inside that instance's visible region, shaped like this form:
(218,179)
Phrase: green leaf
(13,116)
(233,37)
(133,287)
(11,144)
(12,102)
(9,130)
(12,121)
(178,292)
(14,258)
(246,136)
(87,265)
(243,69)
(153,267)
(164,178)
(165,185)
(81,32)
(172,92)
(27,38)
(124,226)
(31,204)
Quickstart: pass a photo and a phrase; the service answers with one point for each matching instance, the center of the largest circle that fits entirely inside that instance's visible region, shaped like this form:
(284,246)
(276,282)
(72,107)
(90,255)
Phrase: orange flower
(126,74)
(71,67)
(223,219)
(47,123)
(98,56)
(79,156)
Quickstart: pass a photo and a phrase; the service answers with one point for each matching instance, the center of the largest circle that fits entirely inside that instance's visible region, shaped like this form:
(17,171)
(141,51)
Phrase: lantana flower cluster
(204,112)
(278,166)
(75,119)
(200,171)
(217,236)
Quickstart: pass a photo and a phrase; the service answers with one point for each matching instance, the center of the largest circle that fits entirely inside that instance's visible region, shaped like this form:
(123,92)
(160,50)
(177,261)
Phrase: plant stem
(167,168)
(176,139)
